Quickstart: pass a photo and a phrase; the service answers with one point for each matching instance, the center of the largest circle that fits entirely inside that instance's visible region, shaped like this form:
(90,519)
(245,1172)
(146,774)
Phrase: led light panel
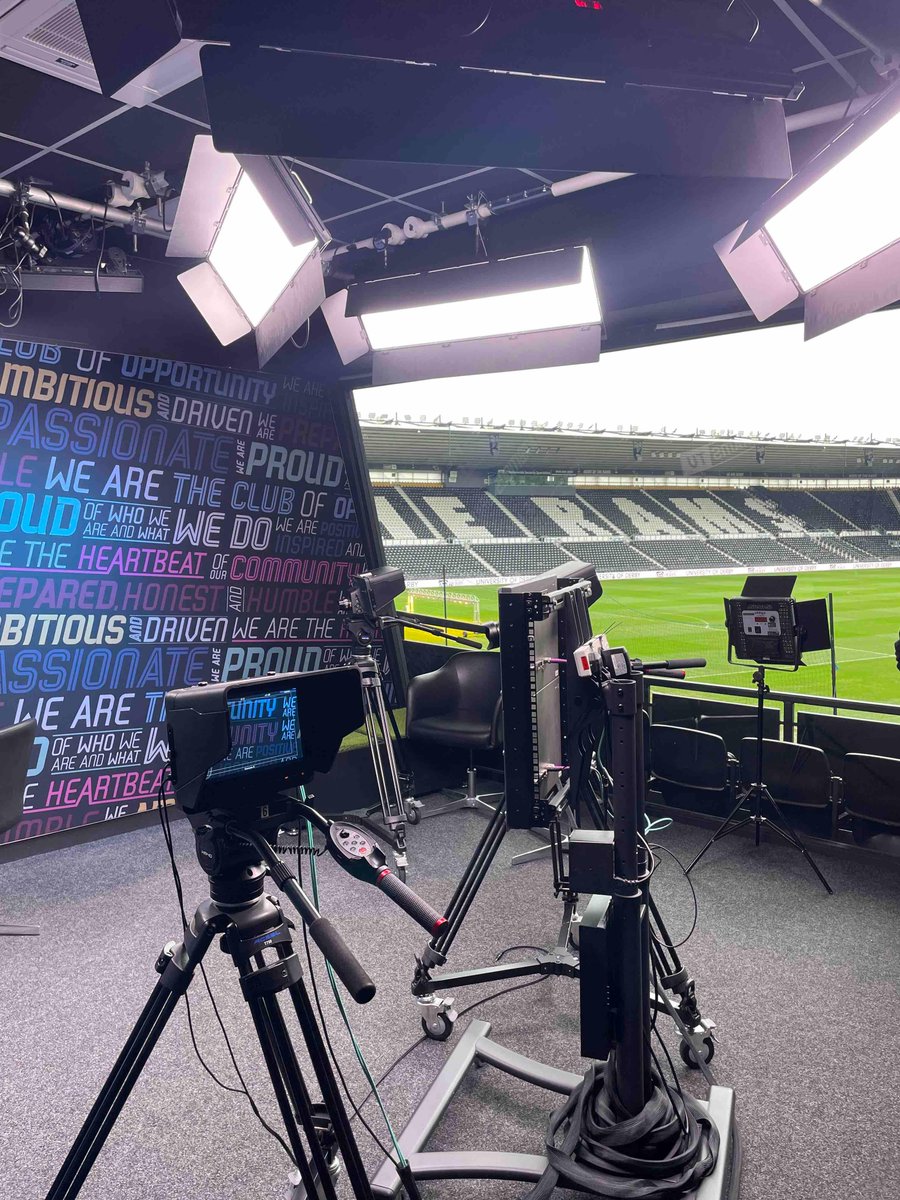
(251,253)
(251,223)
(561,307)
(848,214)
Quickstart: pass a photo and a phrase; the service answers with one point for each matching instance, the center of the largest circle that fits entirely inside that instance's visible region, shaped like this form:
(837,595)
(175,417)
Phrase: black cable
(243,1089)
(102,248)
(509,949)
(690,933)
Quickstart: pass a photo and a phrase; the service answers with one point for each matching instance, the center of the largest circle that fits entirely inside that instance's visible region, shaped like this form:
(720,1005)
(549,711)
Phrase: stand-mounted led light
(260,239)
(537,310)
(832,233)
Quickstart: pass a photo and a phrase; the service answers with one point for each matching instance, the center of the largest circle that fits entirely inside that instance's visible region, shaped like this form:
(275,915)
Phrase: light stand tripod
(757,793)
(251,924)
(382,733)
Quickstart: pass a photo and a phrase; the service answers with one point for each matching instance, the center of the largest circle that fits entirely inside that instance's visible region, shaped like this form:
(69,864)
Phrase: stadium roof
(441,446)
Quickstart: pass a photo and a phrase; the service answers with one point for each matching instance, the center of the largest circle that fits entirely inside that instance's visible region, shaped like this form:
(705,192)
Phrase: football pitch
(677,617)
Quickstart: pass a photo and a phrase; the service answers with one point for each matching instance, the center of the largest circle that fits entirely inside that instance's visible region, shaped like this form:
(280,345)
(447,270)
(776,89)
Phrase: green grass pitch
(672,617)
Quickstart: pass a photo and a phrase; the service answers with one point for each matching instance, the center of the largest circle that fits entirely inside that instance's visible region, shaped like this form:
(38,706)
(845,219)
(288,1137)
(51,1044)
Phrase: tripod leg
(177,969)
(720,832)
(790,835)
(315,1044)
(291,1095)
(473,877)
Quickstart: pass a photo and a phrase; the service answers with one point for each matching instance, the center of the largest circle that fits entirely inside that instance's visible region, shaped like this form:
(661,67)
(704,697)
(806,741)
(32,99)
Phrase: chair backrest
(15,756)
(793,773)
(478,680)
(733,727)
(872,788)
(688,757)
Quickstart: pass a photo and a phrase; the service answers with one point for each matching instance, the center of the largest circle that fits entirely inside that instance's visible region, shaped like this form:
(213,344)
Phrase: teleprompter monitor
(234,746)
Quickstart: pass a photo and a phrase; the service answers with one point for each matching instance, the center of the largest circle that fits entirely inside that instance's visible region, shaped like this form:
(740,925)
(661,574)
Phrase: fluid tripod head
(236,751)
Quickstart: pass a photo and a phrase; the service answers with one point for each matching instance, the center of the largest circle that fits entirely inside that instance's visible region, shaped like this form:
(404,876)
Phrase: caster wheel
(413,814)
(438,1028)
(688,1054)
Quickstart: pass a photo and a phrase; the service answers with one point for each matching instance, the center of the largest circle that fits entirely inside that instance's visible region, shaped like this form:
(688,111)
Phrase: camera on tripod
(234,747)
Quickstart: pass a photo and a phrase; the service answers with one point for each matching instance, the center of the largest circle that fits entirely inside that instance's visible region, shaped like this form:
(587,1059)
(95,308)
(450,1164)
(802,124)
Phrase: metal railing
(790,701)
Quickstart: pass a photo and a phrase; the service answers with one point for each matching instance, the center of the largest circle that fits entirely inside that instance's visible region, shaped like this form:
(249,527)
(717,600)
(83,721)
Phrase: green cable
(360,1057)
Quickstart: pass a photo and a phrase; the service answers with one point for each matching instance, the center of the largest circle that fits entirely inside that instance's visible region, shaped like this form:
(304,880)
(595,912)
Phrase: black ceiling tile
(45,109)
(332,197)
(190,100)
(390,177)
(13,151)
(70,176)
(138,136)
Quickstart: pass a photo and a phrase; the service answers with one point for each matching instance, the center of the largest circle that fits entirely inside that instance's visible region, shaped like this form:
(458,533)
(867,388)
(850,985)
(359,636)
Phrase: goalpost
(431,601)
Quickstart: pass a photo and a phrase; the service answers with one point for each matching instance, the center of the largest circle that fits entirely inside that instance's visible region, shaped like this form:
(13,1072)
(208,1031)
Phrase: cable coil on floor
(664,1150)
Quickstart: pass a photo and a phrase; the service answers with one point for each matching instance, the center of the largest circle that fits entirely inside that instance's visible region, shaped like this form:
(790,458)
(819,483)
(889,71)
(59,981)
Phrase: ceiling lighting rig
(249,220)
(831,234)
(534,310)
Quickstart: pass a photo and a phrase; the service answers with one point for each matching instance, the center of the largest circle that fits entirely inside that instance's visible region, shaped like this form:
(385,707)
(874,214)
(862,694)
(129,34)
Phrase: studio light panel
(560,307)
(832,233)
(247,218)
(843,217)
(534,310)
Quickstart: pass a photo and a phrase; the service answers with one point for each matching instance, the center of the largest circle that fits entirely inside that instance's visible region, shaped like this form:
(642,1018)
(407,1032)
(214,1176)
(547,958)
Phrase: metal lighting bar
(247,218)
(832,233)
(535,310)
(133,220)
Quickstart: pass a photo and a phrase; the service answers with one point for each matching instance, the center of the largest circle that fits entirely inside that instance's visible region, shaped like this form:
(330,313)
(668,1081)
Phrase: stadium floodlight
(535,310)
(260,240)
(832,233)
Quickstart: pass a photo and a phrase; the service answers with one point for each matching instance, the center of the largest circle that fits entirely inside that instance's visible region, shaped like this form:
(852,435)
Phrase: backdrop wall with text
(161,524)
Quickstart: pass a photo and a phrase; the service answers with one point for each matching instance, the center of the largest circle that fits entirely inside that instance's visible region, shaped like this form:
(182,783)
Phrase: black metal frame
(564,806)
(620,993)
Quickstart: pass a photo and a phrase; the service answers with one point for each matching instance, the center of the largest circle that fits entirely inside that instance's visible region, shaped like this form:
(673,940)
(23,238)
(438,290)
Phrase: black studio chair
(15,756)
(459,706)
(871,794)
(693,760)
(797,776)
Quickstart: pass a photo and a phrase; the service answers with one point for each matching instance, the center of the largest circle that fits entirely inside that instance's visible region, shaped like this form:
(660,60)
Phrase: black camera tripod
(756,793)
(252,926)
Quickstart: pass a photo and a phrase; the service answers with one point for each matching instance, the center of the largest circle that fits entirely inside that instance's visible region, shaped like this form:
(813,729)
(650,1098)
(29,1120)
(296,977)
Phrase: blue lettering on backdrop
(161,524)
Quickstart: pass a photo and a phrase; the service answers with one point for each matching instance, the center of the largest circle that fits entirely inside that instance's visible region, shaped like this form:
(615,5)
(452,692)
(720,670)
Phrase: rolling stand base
(470,798)
(475,1048)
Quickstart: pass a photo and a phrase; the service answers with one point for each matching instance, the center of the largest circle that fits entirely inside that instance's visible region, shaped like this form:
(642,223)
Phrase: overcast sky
(843,384)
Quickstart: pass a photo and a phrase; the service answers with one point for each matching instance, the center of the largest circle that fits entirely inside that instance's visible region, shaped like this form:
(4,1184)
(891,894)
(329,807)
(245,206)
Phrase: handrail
(725,689)
(790,700)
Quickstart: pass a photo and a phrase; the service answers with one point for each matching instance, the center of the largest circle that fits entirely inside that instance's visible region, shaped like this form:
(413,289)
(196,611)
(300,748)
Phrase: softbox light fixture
(832,233)
(535,310)
(260,240)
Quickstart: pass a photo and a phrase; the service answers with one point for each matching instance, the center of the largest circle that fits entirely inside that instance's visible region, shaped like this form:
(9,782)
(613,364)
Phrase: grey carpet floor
(803,987)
